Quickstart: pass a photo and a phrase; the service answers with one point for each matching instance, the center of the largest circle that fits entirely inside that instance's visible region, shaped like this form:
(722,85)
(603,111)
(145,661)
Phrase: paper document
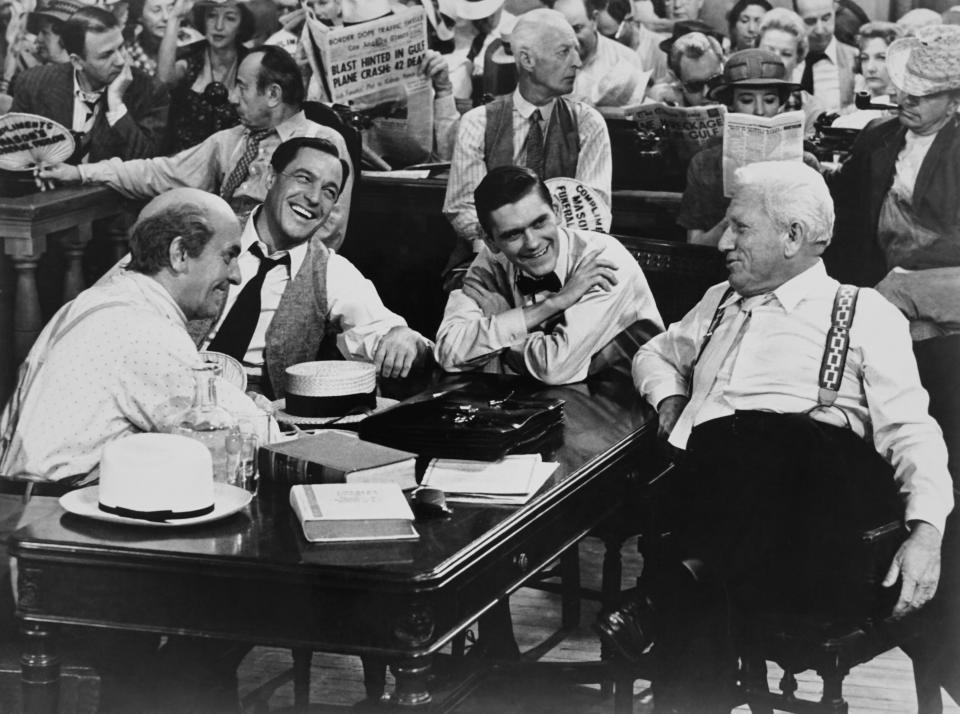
(513,479)
(686,129)
(748,139)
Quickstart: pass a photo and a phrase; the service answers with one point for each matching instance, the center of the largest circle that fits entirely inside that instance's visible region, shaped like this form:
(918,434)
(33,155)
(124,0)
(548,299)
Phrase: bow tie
(545,283)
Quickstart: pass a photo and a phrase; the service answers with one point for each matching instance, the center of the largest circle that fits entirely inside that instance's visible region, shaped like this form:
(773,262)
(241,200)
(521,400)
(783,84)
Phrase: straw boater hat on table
(333,390)
(927,63)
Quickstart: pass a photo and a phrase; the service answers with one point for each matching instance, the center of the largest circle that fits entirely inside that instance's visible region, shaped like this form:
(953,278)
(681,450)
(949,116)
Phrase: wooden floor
(884,685)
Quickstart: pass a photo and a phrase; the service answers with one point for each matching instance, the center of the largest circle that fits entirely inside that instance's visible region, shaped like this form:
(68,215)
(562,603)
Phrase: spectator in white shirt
(307,292)
(536,127)
(612,75)
(555,303)
(773,467)
(827,72)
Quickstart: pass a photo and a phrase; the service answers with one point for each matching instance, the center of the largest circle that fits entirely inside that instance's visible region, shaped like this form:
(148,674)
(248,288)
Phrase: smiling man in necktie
(803,423)
(556,303)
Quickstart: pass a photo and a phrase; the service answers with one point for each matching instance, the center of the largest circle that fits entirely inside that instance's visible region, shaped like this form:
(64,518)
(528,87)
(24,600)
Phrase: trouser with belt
(773,506)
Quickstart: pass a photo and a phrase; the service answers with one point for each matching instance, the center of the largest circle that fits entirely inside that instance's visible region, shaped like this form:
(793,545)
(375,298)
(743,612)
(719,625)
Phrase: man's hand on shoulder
(399,350)
(592,272)
(918,563)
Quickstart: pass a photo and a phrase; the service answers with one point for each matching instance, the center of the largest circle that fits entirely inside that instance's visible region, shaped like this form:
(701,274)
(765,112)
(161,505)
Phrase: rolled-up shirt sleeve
(663,366)
(904,433)
(468,339)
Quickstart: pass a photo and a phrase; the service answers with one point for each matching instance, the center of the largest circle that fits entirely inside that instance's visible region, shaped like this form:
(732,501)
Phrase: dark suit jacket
(862,186)
(48,91)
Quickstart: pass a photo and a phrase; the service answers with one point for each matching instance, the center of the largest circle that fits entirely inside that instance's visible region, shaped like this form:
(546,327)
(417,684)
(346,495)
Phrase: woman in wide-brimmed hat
(204,76)
(754,82)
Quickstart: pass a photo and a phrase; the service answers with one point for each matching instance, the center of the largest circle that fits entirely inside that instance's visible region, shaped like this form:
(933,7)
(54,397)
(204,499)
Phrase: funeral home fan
(578,205)
(28,141)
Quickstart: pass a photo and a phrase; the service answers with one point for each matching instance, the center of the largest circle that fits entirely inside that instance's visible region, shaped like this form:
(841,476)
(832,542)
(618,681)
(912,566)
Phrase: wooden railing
(26,224)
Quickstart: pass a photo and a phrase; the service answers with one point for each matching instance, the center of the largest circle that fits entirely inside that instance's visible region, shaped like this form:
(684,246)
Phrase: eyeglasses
(697,86)
(309,182)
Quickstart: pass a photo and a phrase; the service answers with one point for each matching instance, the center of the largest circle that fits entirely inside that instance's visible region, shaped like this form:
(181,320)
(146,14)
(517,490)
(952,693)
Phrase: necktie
(711,359)
(534,144)
(476,46)
(806,81)
(239,173)
(233,337)
(528,285)
(90,101)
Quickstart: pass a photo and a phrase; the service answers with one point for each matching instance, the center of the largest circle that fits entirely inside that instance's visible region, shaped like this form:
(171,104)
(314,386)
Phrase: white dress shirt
(776,368)
(826,78)
(909,161)
(470,339)
(83,118)
(355,307)
(612,77)
(123,368)
(594,166)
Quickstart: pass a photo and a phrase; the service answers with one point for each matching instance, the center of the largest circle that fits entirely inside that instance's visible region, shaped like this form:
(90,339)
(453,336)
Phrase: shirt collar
(82,93)
(793,291)
(288,128)
(831,51)
(563,257)
(156,294)
(250,236)
(525,108)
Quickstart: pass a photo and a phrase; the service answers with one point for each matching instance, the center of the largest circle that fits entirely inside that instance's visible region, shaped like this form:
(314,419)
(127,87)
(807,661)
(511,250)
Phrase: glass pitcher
(209,423)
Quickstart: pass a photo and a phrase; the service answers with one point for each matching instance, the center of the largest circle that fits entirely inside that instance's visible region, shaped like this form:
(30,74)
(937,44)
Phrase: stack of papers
(513,480)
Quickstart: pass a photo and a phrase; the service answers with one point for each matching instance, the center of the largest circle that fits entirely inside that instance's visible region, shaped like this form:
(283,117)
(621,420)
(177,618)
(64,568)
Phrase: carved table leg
(39,669)
(832,699)
(27,320)
(74,243)
(411,682)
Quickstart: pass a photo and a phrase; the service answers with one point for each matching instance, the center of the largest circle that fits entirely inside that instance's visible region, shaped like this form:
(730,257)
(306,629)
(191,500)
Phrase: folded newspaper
(748,139)
(687,129)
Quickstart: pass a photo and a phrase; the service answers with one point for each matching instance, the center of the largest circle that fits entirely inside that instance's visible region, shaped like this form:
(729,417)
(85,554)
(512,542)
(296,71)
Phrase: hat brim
(34,18)
(284,418)
(666,44)
(477,9)
(898,54)
(722,92)
(227,501)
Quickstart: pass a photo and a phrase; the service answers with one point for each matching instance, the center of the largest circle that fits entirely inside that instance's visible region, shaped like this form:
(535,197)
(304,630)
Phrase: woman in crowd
(873,40)
(156,35)
(743,20)
(203,78)
(782,32)
(754,82)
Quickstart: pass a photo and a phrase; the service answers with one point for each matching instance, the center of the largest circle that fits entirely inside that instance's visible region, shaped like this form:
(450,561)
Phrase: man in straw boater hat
(897,196)
(536,126)
(754,82)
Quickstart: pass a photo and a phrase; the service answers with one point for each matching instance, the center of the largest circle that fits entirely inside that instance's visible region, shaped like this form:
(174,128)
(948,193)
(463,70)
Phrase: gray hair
(780,18)
(693,45)
(151,237)
(528,34)
(791,192)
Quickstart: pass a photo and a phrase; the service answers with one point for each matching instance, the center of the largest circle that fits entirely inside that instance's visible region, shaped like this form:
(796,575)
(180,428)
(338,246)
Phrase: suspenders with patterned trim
(837,344)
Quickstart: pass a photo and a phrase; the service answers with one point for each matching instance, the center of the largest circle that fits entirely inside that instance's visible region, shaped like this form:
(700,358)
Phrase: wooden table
(253,578)
(25,224)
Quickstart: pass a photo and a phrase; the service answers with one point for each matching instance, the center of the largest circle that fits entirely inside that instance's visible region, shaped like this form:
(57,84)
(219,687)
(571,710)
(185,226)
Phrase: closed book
(336,457)
(352,512)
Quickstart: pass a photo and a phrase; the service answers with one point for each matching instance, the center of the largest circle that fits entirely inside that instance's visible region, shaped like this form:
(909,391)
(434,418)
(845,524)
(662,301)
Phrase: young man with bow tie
(555,303)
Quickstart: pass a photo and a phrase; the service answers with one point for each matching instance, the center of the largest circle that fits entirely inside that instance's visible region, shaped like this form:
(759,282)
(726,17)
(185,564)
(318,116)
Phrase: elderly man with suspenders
(798,407)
